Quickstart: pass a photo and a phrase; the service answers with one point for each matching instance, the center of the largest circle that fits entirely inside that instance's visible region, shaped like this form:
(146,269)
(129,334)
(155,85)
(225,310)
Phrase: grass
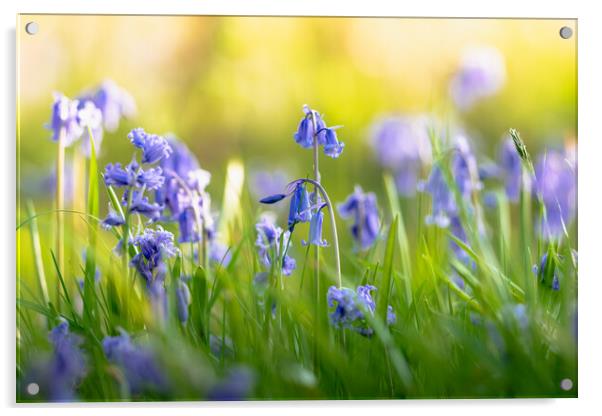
(447,342)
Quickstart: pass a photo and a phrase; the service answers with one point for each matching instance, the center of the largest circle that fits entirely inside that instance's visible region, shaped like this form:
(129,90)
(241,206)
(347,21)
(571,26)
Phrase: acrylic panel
(295,208)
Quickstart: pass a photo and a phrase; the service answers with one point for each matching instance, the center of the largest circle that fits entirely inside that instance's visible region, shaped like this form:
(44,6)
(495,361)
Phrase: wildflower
(154,147)
(237,385)
(219,253)
(113,102)
(151,178)
(510,163)
(315,229)
(188,228)
(547,272)
(313,126)
(363,209)
(115,175)
(65,118)
(182,300)
(137,363)
(267,182)
(90,117)
(481,74)
(141,205)
(268,244)
(155,246)
(556,185)
(113,219)
(350,306)
(403,146)
(68,364)
(300,207)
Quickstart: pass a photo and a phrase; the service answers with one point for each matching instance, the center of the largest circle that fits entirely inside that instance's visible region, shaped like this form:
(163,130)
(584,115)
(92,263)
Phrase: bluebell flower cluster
(363,209)
(481,74)
(137,363)
(556,185)
(154,147)
(270,239)
(155,246)
(402,145)
(350,306)
(313,129)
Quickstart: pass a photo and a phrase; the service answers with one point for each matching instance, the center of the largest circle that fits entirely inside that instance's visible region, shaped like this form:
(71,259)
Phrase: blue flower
(154,147)
(547,272)
(115,175)
(183,299)
(481,74)
(155,246)
(68,364)
(363,209)
(141,205)
(350,306)
(90,117)
(220,253)
(237,385)
(188,227)
(268,244)
(315,229)
(458,231)
(65,118)
(137,363)
(265,182)
(113,219)
(402,145)
(300,208)
(556,185)
(332,148)
(113,101)
(510,163)
(151,178)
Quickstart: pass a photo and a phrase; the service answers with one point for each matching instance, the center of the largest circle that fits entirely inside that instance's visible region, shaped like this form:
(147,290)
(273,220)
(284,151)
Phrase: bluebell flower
(115,175)
(65,118)
(362,208)
(315,229)
(402,145)
(547,272)
(113,101)
(142,206)
(300,208)
(183,299)
(154,147)
(155,247)
(188,227)
(90,116)
(68,363)
(264,182)
(237,385)
(510,162)
(113,219)
(556,185)
(137,363)
(268,244)
(457,229)
(151,178)
(325,136)
(220,253)
(481,74)
(349,307)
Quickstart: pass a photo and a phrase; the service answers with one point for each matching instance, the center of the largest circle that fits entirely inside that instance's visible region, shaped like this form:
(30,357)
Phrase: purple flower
(510,163)
(68,363)
(363,209)
(237,385)
(402,145)
(315,229)
(349,307)
(325,136)
(547,272)
(268,182)
(481,74)
(182,300)
(268,244)
(137,363)
(115,175)
(188,227)
(65,118)
(141,205)
(154,147)
(556,185)
(300,208)
(113,219)
(155,246)
(442,199)
(219,253)
(90,117)
(151,178)
(114,103)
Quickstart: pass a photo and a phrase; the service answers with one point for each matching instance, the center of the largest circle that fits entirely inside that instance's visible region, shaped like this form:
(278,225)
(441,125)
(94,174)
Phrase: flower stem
(60,204)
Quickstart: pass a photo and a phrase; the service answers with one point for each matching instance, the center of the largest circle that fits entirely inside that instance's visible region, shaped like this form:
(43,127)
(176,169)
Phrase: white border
(590,151)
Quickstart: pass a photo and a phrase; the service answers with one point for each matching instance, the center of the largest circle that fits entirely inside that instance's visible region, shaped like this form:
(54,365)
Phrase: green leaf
(385,284)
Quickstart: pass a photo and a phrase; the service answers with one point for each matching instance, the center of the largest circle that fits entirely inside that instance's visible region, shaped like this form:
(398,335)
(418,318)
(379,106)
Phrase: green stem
(60,204)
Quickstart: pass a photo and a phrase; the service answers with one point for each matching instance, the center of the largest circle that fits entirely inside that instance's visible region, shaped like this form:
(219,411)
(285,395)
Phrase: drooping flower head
(312,127)
(113,101)
(137,363)
(300,207)
(362,208)
(90,119)
(315,229)
(556,185)
(155,247)
(64,118)
(183,299)
(402,145)
(154,147)
(68,363)
(481,74)
(115,175)
(268,244)
(350,306)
